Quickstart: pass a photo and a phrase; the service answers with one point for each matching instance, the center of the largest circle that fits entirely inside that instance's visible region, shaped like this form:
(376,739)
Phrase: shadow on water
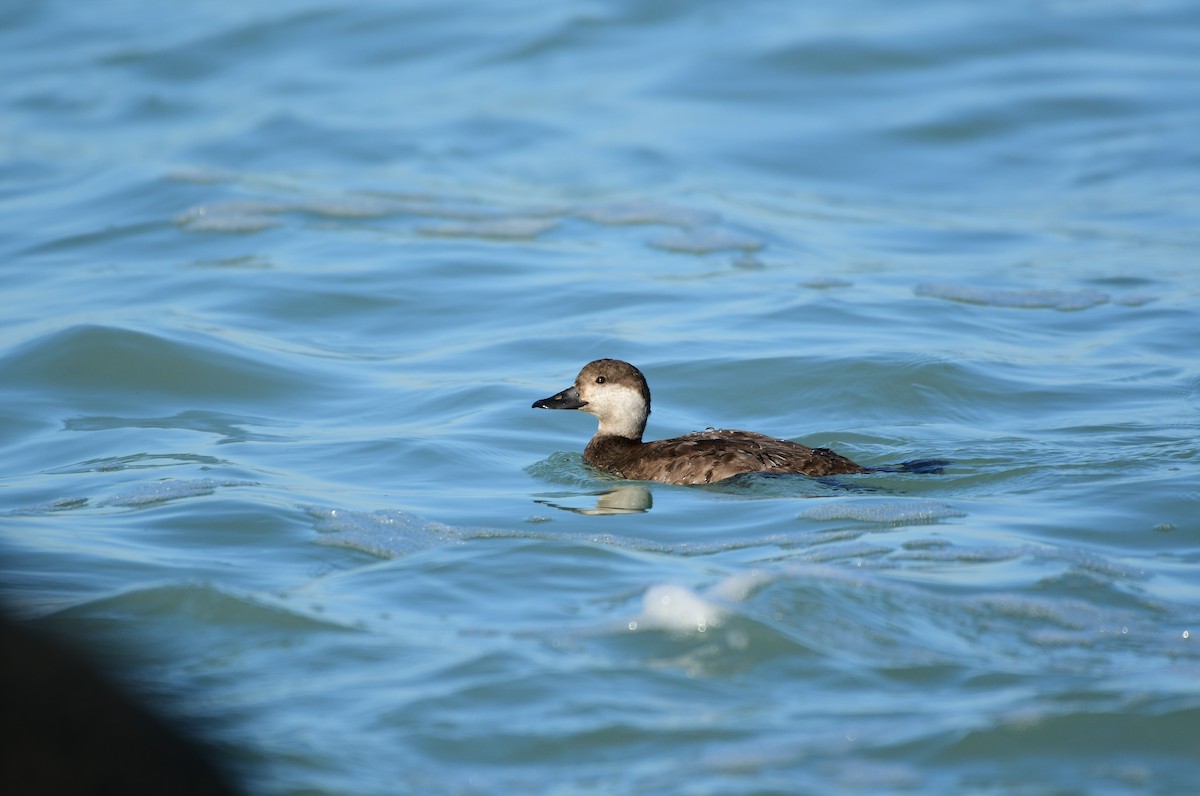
(919,466)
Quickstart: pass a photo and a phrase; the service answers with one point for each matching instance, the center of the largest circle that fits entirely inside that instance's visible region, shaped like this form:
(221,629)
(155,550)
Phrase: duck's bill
(567,399)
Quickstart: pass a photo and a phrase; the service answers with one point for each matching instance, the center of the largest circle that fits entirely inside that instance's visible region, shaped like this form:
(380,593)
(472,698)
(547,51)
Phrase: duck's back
(709,456)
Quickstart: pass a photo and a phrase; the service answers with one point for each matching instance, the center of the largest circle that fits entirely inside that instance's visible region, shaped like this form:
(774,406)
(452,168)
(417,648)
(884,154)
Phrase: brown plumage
(617,394)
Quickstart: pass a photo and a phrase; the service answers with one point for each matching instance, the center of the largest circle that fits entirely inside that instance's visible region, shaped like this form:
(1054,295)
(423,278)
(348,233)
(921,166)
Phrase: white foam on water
(163,491)
(384,534)
(678,609)
(682,610)
(891,512)
(740,585)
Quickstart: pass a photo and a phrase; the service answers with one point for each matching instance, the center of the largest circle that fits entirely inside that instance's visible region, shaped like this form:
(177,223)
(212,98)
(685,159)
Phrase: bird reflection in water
(623,499)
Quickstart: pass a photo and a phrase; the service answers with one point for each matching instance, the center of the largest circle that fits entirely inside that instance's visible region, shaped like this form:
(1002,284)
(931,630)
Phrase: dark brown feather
(709,456)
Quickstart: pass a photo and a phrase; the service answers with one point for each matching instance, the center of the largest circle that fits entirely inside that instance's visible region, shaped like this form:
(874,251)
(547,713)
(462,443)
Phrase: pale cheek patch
(621,410)
(626,404)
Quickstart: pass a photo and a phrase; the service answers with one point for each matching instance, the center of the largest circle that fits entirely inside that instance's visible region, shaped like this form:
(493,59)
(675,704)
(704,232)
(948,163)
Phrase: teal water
(280,284)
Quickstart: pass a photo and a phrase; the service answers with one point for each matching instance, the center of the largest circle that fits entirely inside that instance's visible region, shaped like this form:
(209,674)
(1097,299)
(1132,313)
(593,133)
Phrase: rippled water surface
(280,283)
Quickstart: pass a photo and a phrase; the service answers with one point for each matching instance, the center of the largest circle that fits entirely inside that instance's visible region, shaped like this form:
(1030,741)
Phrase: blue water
(281,281)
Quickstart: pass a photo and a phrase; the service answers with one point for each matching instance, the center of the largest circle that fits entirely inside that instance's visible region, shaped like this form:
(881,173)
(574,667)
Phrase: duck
(616,392)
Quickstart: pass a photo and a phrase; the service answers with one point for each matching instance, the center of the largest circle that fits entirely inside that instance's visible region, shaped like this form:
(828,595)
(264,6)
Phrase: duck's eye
(600,379)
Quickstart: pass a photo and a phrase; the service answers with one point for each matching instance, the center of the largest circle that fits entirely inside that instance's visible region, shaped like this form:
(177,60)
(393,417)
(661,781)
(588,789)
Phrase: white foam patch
(683,610)
(739,586)
(890,512)
(385,534)
(163,491)
(676,608)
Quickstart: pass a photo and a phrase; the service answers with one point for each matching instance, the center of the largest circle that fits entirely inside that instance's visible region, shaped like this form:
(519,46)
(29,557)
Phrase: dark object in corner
(64,730)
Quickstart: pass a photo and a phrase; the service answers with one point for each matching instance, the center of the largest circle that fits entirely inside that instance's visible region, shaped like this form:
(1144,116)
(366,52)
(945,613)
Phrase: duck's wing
(709,456)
